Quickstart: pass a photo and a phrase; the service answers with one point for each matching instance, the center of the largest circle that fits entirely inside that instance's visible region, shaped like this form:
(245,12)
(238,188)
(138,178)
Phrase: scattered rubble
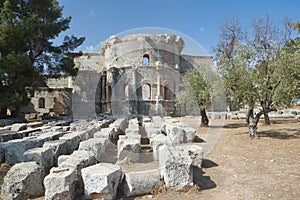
(88,157)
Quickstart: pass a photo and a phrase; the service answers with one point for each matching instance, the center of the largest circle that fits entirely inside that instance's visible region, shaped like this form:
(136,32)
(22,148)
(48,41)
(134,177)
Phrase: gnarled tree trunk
(250,114)
(204,118)
(254,121)
(267,119)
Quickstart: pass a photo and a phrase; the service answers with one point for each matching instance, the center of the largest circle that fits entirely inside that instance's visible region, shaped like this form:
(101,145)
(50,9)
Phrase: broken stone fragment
(101,181)
(141,182)
(61,183)
(42,156)
(24,180)
(175,167)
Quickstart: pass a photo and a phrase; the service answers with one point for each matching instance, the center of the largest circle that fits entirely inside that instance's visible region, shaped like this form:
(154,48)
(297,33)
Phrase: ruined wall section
(90,62)
(61,81)
(130,50)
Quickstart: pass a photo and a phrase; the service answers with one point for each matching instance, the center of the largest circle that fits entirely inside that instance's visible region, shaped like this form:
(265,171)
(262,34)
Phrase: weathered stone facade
(136,74)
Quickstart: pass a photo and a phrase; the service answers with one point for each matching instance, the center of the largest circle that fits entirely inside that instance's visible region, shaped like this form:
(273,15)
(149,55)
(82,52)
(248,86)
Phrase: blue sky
(97,20)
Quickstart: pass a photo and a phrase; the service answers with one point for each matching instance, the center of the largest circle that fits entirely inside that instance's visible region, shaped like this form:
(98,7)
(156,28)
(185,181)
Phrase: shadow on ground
(235,125)
(203,182)
(197,139)
(280,134)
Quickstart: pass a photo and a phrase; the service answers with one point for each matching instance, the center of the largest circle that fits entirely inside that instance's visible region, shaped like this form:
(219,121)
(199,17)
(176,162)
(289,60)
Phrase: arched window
(167,93)
(41,102)
(146,59)
(146,92)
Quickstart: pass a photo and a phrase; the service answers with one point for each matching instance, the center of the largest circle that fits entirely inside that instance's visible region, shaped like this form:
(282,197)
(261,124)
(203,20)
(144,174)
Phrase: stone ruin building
(136,74)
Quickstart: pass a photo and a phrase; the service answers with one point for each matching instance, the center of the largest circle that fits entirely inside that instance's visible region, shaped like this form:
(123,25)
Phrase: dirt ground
(238,167)
(267,167)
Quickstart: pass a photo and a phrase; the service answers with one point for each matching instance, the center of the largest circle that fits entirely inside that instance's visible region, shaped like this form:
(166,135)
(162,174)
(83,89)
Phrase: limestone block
(96,146)
(215,115)
(175,167)
(190,133)
(35,124)
(15,149)
(49,136)
(129,148)
(223,115)
(175,133)
(242,115)
(62,158)
(60,147)
(141,183)
(151,130)
(157,120)
(158,141)
(10,136)
(120,124)
(147,119)
(61,183)
(18,127)
(101,181)
(42,156)
(104,133)
(56,128)
(195,152)
(109,133)
(83,135)
(24,180)
(78,160)
(73,140)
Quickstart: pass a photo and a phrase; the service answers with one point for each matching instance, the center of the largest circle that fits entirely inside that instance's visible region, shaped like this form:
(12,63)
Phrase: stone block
(101,181)
(120,124)
(23,181)
(42,156)
(96,146)
(18,127)
(151,130)
(79,160)
(190,134)
(15,149)
(60,147)
(175,167)
(129,148)
(175,133)
(62,158)
(49,136)
(61,183)
(35,124)
(141,182)
(73,140)
(158,141)
(195,152)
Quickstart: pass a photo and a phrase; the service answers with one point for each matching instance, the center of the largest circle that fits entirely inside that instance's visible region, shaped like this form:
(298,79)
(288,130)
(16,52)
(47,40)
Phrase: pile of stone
(242,114)
(95,159)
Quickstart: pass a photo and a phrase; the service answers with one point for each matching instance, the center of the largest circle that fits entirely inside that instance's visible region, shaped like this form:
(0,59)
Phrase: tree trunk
(204,118)
(267,119)
(254,121)
(249,115)
(252,126)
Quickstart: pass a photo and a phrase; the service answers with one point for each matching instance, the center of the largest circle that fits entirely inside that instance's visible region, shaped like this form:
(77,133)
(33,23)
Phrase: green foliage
(260,67)
(195,93)
(27,30)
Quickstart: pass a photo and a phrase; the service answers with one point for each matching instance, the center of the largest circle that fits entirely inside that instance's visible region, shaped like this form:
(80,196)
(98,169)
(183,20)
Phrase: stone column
(132,92)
